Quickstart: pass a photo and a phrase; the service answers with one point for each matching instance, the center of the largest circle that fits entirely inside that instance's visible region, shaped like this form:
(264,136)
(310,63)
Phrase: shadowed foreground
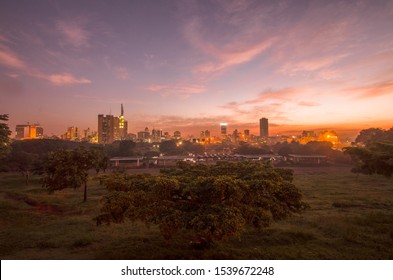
(350,217)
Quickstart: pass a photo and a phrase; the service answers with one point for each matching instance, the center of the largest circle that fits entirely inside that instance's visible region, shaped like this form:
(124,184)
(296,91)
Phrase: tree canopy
(374,152)
(4,136)
(203,203)
(375,158)
(69,168)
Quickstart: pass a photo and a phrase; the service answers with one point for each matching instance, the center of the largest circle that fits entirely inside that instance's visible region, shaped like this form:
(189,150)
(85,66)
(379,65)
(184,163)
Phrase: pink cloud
(308,104)
(73,33)
(182,90)
(224,56)
(373,90)
(122,73)
(10,59)
(311,65)
(65,79)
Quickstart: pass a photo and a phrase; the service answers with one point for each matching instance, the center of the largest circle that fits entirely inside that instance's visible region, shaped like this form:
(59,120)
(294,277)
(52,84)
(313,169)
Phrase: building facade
(112,128)
(29,131)
(264,128)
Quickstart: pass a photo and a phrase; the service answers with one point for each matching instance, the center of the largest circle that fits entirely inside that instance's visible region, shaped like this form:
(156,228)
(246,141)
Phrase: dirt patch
(40,207)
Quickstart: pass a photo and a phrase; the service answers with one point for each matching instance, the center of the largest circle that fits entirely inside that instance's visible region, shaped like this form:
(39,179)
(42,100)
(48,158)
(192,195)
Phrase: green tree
(376,158)
(4,136)
(372,135)
(203,203)
(23,162)
(169,147)
(68,169)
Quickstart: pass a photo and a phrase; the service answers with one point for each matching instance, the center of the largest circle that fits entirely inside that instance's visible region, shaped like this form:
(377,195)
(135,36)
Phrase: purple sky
(189,65)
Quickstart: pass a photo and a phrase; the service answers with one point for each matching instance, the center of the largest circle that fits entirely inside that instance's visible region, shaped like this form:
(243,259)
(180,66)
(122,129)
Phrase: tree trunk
(85,193)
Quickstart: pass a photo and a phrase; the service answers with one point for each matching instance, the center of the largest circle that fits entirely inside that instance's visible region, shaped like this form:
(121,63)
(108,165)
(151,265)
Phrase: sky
(189,65)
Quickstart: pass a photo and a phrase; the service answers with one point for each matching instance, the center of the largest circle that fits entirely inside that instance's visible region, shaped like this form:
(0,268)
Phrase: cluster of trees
(374,155)
(246,149)
(203,203)
(171,147)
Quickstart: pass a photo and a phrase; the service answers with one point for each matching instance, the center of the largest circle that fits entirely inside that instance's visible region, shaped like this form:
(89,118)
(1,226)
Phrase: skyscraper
(224,129)
(111,128)
(263,128)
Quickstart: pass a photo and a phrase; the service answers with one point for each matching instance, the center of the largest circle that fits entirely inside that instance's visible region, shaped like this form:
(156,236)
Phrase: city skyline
(189,66)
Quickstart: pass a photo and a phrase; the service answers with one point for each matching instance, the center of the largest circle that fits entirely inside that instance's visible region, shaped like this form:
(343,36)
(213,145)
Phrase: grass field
(350,217)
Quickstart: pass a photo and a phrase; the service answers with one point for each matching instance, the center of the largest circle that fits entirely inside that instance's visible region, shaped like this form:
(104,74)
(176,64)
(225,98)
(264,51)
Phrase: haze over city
(189,65)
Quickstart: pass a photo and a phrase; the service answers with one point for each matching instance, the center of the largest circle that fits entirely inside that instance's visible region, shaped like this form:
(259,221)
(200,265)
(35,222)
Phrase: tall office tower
(224,128)
(106,133)
(247,133)
(177,135)
(112,128)
(207,133)
(122,125)
(263,128)
(156,135)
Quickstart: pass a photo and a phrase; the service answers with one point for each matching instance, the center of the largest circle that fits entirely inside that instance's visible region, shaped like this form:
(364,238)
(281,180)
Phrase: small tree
(69,169)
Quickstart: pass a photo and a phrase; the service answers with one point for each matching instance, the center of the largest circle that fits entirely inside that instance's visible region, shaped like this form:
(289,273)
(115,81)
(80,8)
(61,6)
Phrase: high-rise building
(28,131)
(264,128)
(71,134)
(177,135)
(224,129)
(105,129)
(111,128)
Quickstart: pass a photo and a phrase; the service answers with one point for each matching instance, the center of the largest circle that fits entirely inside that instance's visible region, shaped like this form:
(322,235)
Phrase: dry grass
(350,217)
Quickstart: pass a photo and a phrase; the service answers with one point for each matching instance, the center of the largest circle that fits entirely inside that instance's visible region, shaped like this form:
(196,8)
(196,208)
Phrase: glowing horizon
(304,65)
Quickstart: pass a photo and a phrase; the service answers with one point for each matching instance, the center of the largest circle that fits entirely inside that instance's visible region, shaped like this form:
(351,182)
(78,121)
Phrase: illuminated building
(224,129)
(156,135)
(111,128)
(71,134)
(144,136)
(264,128)
(177,135)
(29,131)
(105,129)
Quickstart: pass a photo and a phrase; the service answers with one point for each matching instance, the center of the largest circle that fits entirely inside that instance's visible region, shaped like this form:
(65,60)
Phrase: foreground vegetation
(350,217)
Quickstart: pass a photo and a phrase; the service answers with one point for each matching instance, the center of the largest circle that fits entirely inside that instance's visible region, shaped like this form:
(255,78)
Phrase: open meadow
(350,217)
